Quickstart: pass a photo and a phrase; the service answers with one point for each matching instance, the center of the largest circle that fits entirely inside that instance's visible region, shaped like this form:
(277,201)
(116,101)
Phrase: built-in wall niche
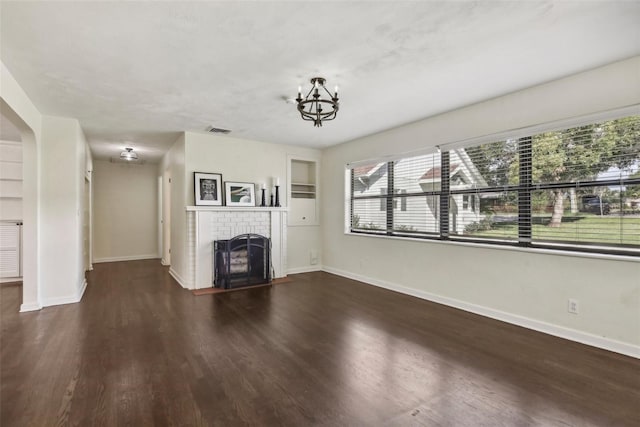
(303,191)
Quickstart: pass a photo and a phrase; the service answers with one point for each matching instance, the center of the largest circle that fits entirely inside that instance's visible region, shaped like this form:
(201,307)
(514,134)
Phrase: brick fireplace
(208,224)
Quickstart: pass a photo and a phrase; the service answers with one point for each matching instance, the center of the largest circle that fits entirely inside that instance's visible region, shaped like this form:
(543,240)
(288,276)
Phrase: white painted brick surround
(230,224)
(205,225)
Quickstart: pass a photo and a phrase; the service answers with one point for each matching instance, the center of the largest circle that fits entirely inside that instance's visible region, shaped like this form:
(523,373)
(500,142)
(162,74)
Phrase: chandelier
(311,106)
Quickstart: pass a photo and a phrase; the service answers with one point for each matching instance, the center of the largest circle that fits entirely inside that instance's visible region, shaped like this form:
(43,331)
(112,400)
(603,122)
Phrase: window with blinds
(576,188)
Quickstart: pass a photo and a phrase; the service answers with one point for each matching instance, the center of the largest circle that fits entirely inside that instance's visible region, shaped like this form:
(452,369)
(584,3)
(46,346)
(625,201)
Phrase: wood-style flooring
(320,350)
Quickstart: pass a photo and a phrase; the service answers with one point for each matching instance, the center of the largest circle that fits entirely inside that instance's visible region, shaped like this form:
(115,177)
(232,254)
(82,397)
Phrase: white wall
(10,181)
(173,166)
(62,169)
(125,206)
(524,287)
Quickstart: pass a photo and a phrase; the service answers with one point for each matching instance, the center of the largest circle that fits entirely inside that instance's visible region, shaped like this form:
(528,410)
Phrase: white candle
(277,181)
(263,186)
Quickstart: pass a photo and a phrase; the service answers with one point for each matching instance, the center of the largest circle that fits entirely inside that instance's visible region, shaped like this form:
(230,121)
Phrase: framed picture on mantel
(240,193)
(208,189)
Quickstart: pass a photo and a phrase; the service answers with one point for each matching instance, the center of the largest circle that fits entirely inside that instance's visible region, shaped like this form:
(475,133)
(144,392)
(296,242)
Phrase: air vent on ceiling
(211,129)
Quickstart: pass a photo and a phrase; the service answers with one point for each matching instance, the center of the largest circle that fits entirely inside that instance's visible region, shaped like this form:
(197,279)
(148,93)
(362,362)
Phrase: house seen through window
(576,188)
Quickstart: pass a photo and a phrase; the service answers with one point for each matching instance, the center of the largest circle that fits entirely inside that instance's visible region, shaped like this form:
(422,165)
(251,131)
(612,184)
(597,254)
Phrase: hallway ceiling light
(129,155)
(310,107)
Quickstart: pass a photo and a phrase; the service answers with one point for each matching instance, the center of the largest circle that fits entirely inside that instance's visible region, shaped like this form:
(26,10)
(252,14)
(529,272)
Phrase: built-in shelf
(303,191)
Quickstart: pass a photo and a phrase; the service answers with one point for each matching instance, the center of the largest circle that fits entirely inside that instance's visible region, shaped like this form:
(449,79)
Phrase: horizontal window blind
(575,188)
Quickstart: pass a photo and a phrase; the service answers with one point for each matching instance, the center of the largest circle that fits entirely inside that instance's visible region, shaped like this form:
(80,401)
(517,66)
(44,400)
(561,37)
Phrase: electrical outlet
(313,257)
(573,306)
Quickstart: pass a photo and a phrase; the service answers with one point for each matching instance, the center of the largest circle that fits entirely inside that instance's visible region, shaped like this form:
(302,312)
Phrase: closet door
(9,249)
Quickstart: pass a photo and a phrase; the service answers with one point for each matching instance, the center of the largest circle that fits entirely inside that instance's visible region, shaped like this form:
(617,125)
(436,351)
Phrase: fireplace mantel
(235,209)
(206,224)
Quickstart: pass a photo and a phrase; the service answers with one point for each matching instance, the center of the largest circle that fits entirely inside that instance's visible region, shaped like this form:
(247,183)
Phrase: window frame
(524,188)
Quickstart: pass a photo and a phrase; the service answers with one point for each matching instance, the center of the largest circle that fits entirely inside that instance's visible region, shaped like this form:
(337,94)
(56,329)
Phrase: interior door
(86,225)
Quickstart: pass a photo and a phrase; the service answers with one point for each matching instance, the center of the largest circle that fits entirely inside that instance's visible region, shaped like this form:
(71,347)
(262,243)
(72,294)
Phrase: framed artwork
(208,189)
(240,193)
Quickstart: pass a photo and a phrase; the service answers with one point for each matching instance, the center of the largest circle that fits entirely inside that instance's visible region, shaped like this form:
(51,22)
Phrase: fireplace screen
(244,260)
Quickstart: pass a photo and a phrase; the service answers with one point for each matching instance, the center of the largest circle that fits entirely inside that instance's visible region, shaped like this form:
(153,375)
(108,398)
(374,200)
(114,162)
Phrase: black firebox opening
(244,260)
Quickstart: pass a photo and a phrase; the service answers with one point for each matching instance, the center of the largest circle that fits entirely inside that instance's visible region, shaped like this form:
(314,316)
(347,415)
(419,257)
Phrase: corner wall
(173,167)
(522,287)
(62,164)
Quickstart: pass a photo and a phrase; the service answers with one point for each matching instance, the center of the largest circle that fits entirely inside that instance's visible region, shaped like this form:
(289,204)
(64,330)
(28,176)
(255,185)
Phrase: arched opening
(29,238)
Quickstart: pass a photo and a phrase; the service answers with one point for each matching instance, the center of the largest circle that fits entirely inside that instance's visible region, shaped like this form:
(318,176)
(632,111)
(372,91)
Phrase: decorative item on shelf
(264,196)
(271,199)
(310,107)
(277,191)
(208,189)
(240,193)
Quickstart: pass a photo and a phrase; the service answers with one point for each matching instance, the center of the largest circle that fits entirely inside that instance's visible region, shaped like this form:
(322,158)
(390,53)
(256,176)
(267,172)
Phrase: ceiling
(138,73)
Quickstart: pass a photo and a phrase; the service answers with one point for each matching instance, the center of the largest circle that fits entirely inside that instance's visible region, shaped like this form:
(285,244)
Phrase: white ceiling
(137,73)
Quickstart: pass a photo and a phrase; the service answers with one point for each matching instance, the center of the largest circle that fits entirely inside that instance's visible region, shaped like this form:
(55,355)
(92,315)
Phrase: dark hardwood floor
(321,350)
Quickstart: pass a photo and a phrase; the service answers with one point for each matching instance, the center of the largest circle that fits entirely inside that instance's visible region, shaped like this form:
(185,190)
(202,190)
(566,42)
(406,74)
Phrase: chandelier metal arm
(315,113)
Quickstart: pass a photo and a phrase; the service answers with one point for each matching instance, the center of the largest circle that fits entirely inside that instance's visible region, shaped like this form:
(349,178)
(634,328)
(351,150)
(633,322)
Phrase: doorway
(86,226)
(29,218)
(166,217)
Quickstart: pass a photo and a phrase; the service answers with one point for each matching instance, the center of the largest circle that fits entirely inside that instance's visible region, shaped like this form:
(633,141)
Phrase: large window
(576,188)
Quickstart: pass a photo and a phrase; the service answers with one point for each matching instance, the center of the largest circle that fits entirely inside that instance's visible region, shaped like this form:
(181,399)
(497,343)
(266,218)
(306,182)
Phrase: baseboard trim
(10,279)
(525,322)
(125,258)
(31,306)
(307,269)
(177,278)
(72,299)
(82,289)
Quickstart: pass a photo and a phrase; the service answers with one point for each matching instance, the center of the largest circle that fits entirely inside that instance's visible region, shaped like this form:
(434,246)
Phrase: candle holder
(264,198)
(271,197)
(277,196)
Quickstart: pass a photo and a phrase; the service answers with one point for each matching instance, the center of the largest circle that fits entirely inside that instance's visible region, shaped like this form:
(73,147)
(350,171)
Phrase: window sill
(543,251)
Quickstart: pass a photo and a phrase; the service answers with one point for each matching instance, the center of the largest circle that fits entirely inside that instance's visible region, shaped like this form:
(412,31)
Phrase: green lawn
(575,228)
